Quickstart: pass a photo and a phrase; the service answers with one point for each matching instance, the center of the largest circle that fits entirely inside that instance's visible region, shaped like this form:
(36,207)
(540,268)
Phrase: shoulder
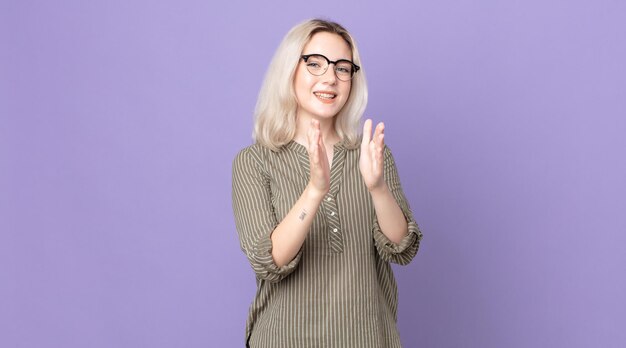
(247,157)
(253,156)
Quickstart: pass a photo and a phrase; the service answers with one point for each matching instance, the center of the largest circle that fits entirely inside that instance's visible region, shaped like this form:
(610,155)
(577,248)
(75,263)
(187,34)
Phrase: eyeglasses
(317,65)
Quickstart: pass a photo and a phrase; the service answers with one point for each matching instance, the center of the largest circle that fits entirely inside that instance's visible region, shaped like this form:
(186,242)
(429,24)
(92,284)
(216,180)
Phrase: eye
(343,70)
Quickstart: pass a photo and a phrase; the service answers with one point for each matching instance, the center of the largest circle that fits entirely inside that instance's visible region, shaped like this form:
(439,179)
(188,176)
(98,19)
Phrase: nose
(330,76)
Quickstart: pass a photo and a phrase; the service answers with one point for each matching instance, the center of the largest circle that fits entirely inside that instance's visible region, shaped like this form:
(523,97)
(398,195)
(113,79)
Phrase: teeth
(325,95)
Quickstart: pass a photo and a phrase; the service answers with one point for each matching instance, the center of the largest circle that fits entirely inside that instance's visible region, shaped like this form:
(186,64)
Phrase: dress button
(328,199)
(332,213)
(335,230)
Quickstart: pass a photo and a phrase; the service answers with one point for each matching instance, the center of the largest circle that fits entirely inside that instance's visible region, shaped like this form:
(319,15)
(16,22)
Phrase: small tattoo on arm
(302,214)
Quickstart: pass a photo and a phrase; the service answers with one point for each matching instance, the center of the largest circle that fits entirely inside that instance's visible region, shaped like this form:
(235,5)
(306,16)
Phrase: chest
(344,219)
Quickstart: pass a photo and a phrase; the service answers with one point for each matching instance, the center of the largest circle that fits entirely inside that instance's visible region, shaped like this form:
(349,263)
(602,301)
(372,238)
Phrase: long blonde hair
(275,112)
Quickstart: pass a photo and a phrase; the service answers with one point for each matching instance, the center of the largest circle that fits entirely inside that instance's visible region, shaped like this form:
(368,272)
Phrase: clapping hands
(372,157)
(371,162)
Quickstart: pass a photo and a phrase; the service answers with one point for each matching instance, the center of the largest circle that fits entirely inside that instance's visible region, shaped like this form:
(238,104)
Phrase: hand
(318,160)
(371,160)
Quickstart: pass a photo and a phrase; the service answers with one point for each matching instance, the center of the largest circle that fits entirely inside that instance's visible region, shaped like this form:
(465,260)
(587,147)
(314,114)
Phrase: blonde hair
(275,112)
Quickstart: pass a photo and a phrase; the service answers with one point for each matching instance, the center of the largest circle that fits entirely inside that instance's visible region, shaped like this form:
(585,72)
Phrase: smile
(325,95)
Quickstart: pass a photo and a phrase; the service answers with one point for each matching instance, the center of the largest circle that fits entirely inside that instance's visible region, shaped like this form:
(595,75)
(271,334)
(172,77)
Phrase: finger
(380,129)
(380,126)
(322,149)
(316,146)
(315,124)
(312,145)
(379,136)
(309,138)
(367,132)
(372,152)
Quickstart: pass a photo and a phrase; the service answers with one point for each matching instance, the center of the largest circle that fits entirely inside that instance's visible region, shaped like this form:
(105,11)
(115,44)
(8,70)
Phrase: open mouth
(325,95)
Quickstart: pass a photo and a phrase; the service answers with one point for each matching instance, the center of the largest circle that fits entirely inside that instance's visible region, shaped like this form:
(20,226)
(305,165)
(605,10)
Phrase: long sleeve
(403,252)
(339,290)
(254,216)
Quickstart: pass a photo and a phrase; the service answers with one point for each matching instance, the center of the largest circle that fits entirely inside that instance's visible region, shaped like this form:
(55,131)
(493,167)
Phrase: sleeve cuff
(403,252)
(264,265)
(382,241)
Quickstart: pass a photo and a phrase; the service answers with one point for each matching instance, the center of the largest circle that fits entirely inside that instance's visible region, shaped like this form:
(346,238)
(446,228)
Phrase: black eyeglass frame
(355,67)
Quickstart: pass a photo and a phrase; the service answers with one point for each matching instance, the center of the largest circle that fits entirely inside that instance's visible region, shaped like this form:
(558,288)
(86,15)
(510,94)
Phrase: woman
(320,214)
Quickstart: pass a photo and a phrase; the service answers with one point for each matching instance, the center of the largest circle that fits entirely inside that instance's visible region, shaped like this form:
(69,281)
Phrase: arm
(254,216)
(389,215)
(290,234)
(396,234)
(372,166)
(402,251)
(274,249)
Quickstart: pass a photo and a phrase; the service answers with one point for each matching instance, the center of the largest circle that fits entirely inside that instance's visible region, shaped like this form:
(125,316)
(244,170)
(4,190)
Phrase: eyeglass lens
(317,65)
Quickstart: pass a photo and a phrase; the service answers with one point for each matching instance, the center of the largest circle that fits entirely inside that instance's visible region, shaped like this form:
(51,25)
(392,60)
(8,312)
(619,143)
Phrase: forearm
(390,217)
(289,235)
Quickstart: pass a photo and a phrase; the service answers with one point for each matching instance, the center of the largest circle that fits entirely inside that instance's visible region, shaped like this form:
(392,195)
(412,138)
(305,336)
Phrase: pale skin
(315,130)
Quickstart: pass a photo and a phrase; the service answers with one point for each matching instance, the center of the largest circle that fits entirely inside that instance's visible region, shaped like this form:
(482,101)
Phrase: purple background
(119,121)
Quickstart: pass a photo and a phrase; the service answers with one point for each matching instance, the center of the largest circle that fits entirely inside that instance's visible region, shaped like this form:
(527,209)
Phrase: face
(322,97)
